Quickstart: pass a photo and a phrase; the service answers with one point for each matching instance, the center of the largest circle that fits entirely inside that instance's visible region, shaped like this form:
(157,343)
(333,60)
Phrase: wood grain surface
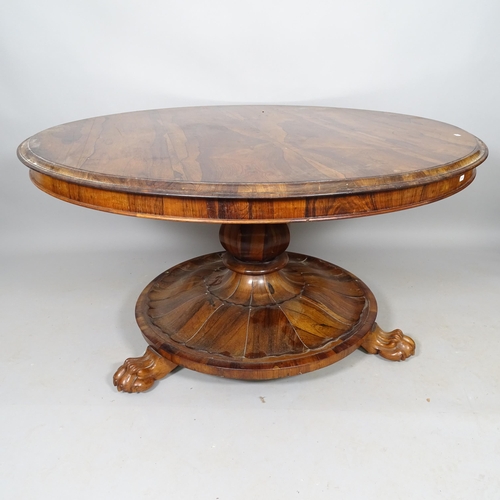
(252,163)
(255,311)
(204,316)
(254,210)
(251,151)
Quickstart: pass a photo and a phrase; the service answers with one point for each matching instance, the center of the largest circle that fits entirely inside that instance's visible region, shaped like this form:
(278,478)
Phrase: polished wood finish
(393,345)
(254,311)
(252,163)
(253,210)
(139,374)
(256,242)
(207,317)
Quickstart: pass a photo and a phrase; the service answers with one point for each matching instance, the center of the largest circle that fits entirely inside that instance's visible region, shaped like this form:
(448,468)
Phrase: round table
(253,311)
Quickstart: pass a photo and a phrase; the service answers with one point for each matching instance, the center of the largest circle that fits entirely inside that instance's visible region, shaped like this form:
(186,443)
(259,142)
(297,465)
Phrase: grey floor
(362,428)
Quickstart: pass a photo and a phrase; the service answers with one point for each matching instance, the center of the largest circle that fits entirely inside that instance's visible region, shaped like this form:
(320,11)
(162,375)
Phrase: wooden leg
(394,345)
(139,374)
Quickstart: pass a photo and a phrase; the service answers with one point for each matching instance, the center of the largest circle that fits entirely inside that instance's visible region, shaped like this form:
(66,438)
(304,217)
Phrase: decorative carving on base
(304,315)
(139,374)
(394,345)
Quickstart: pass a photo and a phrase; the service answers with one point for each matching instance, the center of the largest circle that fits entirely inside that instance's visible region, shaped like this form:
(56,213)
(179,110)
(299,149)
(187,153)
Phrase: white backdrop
(69,277)
(62,61)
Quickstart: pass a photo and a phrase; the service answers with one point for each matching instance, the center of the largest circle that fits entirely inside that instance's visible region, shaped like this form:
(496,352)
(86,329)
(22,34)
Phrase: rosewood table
(253,311)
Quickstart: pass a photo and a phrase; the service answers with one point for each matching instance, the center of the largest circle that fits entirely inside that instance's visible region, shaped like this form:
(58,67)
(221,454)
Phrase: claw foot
(139,374)
(394,345)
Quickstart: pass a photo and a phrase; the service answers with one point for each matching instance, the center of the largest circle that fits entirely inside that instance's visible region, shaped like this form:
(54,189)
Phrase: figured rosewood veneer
(253,311)
(249,164)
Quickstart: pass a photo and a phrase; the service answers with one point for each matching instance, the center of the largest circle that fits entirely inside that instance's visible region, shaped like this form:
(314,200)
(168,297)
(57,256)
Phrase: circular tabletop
(252,163)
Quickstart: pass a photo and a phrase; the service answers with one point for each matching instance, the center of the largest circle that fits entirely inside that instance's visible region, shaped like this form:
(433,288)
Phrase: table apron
(215,210)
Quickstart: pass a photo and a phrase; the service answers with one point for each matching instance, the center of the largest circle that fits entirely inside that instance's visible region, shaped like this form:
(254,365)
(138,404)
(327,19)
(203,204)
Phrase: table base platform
(255,312)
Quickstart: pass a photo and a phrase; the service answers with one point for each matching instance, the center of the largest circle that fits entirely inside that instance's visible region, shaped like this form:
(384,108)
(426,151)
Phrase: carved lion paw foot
(139,374)
(394,345)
